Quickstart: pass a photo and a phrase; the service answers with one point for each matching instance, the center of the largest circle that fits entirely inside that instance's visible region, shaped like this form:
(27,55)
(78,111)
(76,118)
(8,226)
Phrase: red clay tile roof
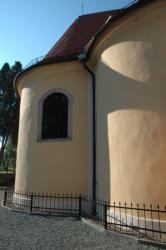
(79,34)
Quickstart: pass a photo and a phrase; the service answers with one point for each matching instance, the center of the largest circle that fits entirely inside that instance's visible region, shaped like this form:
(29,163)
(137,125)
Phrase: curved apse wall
(131,118)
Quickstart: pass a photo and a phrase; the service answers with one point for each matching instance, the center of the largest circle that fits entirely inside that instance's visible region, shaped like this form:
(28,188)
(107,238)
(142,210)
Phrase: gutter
(82,59)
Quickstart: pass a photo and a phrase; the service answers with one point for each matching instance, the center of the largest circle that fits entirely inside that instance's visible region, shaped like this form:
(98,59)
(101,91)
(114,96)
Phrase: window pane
(55,116)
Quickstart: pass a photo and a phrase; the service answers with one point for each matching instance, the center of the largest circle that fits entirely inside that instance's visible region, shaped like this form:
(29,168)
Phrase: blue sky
(29,28)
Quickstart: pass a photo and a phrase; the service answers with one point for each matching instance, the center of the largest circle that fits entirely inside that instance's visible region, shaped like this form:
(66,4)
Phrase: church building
(93,110)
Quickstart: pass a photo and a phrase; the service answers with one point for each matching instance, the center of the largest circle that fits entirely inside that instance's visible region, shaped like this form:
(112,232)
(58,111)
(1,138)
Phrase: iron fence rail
(142,221)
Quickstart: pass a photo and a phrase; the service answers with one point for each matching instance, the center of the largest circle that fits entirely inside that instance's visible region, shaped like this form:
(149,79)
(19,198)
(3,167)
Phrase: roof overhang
(139,4)
(89,47)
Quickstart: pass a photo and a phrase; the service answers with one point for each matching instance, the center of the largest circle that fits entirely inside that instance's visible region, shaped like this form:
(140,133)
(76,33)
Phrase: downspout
(82,60)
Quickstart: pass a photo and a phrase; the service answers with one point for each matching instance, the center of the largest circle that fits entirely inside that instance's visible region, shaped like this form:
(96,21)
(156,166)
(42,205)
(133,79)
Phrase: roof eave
(43,63)
(88,49)
(110,21)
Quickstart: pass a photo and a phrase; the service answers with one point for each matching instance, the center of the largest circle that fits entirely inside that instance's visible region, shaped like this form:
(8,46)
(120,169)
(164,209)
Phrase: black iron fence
(142,221)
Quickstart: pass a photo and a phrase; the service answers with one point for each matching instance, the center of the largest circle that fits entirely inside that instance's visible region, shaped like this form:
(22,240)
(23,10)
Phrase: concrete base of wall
(46,203)
(49,203)
(147,226)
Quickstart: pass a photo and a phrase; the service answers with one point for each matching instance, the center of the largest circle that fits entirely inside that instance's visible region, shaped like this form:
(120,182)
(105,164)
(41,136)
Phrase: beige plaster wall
(57,166)
(131,107)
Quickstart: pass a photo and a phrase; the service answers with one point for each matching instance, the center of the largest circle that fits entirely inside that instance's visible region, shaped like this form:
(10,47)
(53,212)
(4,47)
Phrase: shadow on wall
(131,118)
(132,126)
(131,110)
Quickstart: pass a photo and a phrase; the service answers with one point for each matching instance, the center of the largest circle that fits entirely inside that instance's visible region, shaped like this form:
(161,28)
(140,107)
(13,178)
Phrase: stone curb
(140,241)
(99,228)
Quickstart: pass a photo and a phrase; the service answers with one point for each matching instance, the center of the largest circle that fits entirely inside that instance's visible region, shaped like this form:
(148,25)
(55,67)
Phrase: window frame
(40,115)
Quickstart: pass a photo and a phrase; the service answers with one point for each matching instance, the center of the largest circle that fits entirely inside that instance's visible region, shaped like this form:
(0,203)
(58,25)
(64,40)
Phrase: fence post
(80,205)
(105,215)
(31,203)
(5,198)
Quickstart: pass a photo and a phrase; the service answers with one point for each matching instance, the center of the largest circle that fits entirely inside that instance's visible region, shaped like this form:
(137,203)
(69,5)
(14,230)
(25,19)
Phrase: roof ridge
(100,12)
(74,39)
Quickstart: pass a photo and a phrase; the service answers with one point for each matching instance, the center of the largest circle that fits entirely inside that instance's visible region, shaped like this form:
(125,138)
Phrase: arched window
(55,116)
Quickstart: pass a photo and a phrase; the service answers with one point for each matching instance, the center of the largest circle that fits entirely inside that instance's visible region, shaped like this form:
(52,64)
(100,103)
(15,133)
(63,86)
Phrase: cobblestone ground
(25,231)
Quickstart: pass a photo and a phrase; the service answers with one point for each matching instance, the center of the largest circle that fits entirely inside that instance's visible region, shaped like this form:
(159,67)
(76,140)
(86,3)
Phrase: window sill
(55,139)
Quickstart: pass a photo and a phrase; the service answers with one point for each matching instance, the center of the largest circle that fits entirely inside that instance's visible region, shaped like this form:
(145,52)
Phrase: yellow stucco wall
(130,65)
(129,61)
(57,166)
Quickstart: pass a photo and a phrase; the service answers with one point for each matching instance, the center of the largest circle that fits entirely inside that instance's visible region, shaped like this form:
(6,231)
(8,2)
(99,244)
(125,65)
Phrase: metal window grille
(55,116)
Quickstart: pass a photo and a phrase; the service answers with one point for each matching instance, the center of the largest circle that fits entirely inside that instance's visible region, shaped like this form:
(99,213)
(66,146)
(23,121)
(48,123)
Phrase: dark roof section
(71,49)
(79,34)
